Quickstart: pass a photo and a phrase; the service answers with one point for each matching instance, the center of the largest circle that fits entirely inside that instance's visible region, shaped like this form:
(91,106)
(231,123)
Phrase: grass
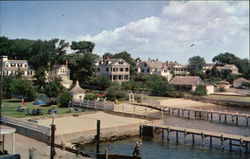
(228,98)
(10,105)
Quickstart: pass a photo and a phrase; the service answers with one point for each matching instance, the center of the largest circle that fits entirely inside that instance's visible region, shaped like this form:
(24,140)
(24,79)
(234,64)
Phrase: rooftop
(187,80)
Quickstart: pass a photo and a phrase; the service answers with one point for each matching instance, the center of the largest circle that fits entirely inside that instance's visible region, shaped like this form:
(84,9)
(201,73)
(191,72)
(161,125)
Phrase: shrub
(64,99)
(23,88)
(90,96)
(114,93)
(222,89)
(200,91)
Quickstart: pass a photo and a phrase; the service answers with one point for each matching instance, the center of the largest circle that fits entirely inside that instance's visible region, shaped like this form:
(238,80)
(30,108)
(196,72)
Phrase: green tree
(231,78)
(101,82)
(196,62)
(114,92)
(7,80)
(82,47)
(200,90)
(64,99)
(199,73)
(24,88)
(51,90)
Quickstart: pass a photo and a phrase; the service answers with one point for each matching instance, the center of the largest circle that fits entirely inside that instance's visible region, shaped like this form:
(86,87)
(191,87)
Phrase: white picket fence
(100,105)
(26,124)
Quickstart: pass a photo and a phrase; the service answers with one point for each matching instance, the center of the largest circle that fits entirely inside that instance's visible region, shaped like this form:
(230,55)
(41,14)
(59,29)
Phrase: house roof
(241,80)
(187,80)
(56,67)
(227,67)
(77,89)
(154,64)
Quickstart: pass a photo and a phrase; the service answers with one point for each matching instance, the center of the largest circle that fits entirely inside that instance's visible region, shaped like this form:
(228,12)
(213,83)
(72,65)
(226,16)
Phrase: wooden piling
(178,112)
(211,142)
(225,118)
(211,116)
(168,130)
(207,116)
(230,145)
(222,143)
(162,135)
(241,145)
(188,114)
(200,114)
(247,120)
(232,118)
(237,119)
(177,137)
(202,139)
(246,146)
(98,126)
(193,139)
(220,117)
(185,135)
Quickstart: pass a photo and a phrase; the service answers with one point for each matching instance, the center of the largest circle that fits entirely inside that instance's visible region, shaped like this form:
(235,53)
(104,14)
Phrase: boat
(116,156)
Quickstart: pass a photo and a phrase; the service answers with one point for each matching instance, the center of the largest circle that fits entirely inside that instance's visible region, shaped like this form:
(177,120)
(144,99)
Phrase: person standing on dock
(137,149)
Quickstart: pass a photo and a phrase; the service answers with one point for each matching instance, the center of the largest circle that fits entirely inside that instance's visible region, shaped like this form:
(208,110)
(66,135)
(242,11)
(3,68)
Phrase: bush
(200,91)
(90,96)
(64,99)
(222,89)
(175,94)
(23,88)
(100,82)
(114,93)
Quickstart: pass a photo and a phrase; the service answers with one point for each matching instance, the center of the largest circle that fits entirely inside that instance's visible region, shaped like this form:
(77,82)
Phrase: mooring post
(193,138)
(188,114)
(185,135)
(246,143)
(225,117)
(98,125)
(241,145)
(211,142)
(178,111)
(162,135)
(219,116)
(168,130)
(140,131)
(177,138)
(230,145)
(207,115)
(237,118)
(232,118)
(222,143)
(182,112)
(202,139)
(211,116)
(106,153)
(247,120)
(169,111)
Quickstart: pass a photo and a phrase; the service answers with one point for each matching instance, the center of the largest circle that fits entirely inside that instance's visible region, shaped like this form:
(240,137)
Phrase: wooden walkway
(243,142)
(209,114)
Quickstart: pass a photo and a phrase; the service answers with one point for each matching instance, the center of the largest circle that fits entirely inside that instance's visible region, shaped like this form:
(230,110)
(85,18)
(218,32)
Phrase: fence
(26,125)
(92,104)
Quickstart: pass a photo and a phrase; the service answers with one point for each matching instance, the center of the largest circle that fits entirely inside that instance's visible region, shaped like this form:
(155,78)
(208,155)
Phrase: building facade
(178,69)
(115,69)
(63,73)
(227,69)
(14,67)
(151,67)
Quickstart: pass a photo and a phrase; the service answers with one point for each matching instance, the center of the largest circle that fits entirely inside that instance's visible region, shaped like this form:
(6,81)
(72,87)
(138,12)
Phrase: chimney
(156,59)
(77,83)
(149,59)
(66,62)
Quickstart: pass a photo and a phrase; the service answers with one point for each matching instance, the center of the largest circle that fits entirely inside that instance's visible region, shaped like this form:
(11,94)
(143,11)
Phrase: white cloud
(213,26)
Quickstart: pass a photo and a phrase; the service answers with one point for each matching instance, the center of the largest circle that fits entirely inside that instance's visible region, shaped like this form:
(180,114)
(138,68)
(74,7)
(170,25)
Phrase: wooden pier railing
(199,113)
(243,141)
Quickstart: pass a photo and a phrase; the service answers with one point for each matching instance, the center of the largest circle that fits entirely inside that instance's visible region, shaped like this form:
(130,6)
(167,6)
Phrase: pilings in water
(241,141)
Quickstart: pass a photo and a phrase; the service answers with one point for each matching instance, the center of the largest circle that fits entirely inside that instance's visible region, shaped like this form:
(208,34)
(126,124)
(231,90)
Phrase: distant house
(153,67)
(207,66)
(115,69)
(227,69)
(63,73)
(13,67)
(187,81)
(77,92)
(177,68)
(237,83)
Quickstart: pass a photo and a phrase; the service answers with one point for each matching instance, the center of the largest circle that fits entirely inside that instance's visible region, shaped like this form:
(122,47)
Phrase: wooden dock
(199,113)
(241,141)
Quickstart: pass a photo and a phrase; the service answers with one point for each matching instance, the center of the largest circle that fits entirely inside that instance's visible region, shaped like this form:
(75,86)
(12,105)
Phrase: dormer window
(120,62)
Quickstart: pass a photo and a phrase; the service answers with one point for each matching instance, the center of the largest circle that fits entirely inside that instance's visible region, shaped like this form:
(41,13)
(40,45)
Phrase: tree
(101,82)
(200,90)
(114,92)
(64,99)
(7,80)
(199,73)
(82,47)
(196,62)
(51,90)
(231,78)
(24,88)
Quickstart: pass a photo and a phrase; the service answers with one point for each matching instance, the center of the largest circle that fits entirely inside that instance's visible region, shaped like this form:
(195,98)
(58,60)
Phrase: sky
(146,29)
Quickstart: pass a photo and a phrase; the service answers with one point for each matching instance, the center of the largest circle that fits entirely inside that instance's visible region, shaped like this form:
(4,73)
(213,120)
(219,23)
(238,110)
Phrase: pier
(222,116)
(233,140)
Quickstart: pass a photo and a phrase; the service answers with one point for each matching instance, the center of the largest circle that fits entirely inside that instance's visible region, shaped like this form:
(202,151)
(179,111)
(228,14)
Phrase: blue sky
(156,29)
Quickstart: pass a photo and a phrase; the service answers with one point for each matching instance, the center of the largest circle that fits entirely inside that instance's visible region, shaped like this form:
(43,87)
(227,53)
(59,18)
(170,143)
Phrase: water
(156,148)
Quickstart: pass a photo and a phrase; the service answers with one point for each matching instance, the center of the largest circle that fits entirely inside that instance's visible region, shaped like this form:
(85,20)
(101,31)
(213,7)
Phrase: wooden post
(52,141)
(211,116)
(247,120)
(232,118)
(162,135)
(200,114)
(194,114)
(220,117)
(225,117)
(237,119)
(168,130)
(169,111)
(211,142)
(140,131)
(177,138)
(193,139)
(178,112)
(162,115)
(106,153)
(185,135)
(230,145)
(98,125)
(241,145)
(182,112)
(246,147)
(202,139)
(222,143)
(188,114)
(207,115)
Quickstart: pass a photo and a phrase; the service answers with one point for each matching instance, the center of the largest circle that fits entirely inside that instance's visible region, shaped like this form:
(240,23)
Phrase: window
(116,69)
(114,77)
(107,69)
(142,70)
(113,69)
(121,69)
(127,69)
(126,77)
(25,65)
(120,77)
(148,70)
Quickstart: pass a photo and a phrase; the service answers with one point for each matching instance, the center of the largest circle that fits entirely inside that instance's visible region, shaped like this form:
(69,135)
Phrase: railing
(26,124)
(100,105)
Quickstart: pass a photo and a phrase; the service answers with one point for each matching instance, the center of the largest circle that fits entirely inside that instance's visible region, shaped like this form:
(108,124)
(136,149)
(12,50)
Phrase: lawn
(10,105)
(228,98)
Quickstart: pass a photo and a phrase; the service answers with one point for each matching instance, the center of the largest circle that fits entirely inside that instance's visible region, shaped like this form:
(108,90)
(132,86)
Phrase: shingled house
(190,83)
(238,82)
(153,67)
